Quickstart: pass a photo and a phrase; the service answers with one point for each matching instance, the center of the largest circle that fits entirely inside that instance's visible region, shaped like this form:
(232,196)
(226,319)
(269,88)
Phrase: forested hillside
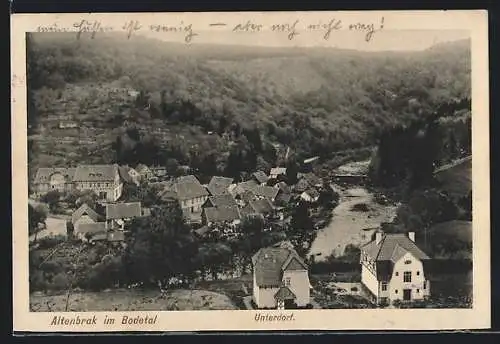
(226,109)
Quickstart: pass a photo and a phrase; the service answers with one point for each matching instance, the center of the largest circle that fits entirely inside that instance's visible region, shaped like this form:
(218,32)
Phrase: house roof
(260,176)
(261,206)
(284,293)
(222,214)
(312,179)
(309,160)
(256,189)
(225,200)
(284,187)
(203,230)
(278,170)
(302,185)
(268,264)
(393,247)
(266,191)
(84,209)
(92,228)
(186,187)
(312,192)
(43,174)
(219,185)
(123,210)
(95,173)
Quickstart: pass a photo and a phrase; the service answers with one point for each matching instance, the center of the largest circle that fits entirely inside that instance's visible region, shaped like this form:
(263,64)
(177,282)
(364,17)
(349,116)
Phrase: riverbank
(353,221)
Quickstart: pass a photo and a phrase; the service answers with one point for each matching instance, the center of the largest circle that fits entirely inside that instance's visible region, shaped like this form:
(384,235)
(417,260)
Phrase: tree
(36,216)
(212,257)
(292,169)
(301,228)
(161,246)
(51,198)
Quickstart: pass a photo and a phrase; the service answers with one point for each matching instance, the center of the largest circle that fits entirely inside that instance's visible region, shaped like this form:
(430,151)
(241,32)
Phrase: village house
(276,172)
(311,195)
(119,213)
(250,187)
(84,214)
(260,177)
(112,237)
(225,200)
(57,178)
(229,215)
(392,268)
(104,180)
(262,207)
(159,171)
(86,231)
(188,191)
(219,185)
(280,279)
(284,195)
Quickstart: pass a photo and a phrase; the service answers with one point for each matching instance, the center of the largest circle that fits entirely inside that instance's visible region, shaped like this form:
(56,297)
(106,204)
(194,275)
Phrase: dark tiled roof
(123,210)
(268,264)
(219,185)
(302,185)
(222,214)
(96,173)
(312,192)
(92,228)
(284,187)
(43,174)
(84,209)
(266,191)
(284,293)
(202,230)
(393,246)
(261,206)
(225,200)
(187,187)
(260,176)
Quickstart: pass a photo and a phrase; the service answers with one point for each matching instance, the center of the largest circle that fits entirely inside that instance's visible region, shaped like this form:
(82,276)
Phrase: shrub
(60,281)
(51,241)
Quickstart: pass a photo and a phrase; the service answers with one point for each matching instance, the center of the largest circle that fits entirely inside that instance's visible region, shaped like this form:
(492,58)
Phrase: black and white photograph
(250,174)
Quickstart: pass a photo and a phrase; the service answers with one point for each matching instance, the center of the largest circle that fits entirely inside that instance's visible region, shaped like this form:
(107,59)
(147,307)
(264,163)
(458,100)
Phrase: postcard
(250,171)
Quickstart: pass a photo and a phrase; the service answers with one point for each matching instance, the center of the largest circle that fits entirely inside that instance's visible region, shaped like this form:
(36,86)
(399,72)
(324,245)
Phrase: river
(349,226)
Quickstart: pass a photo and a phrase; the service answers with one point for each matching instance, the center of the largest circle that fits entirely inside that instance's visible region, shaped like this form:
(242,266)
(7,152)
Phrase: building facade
(104,180)
(393,268)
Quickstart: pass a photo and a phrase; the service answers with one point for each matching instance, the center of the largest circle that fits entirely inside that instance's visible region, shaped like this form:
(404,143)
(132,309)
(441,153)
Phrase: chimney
(378,237)
(411,235)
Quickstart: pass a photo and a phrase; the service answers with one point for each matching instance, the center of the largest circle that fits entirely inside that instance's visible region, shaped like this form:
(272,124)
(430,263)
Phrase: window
(407,276)
(397,273)
(395,291)
(384,286)
(407,262)
(418,290)
(425,285)
(418,273)
(287,281)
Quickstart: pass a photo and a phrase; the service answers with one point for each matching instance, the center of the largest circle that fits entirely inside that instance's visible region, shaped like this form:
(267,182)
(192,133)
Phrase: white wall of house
(255,289)
(194,204)
(111,189)
(299,285)
(369,279)
(266,297)
(414,268)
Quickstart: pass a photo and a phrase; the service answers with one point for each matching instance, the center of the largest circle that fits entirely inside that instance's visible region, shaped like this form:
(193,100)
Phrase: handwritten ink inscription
(291,28)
